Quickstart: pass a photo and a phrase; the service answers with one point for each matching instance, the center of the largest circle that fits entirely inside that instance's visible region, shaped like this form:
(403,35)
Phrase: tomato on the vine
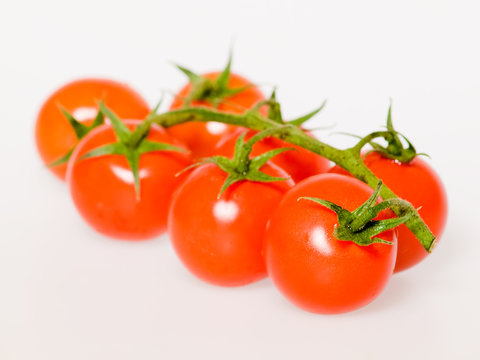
(202,138)
(220,239)
(312,268)
(298,163)
(417,183)
(55,136)
(103,187)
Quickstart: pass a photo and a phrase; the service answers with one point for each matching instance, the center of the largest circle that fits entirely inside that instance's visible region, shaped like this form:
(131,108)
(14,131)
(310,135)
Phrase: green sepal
(80,130)
(121,130)
(108,149)
(221,82)
(133,159)
(229,181)
(99,120)
(301,120)
(275,112)
(359,225)
(155,109)
(147,146)
(274,109)
(260,160)
(366,210)
(63,160)
(232,92)
(344,216)
(193,77)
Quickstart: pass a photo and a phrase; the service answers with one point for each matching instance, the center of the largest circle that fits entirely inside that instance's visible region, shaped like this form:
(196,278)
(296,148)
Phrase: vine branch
(348,159)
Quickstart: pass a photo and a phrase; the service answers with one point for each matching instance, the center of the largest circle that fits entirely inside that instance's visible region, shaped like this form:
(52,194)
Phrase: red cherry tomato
(54,134)
(103,189)
(313,269)
(202,138)
(417,183)
(299,163)
(220,240)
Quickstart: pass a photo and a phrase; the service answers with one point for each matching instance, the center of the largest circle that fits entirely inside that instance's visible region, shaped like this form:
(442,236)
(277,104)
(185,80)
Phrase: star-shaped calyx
(241,166)
(359,225)
(131,144)
(395,148)
(213,92)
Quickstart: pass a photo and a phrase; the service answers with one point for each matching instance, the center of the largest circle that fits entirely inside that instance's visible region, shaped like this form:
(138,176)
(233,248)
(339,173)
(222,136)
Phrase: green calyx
(241,166)
(358,226)
(395,149)
(131,144)
(213,92)
(80,131)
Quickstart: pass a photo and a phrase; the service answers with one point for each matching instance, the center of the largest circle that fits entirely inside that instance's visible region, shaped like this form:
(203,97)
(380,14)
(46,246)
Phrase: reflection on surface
(126,175)
(225,211)
(85,113)
(319,241)
(215,128)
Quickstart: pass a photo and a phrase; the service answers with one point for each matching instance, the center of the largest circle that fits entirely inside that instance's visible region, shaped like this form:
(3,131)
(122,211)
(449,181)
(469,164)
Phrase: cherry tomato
(220,240)
(103,190)
(417,183)
(202,138)
(313,269)
(54,134)
(299,163)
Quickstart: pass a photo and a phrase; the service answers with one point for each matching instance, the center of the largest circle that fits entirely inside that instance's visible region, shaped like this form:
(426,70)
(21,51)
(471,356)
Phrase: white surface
(68,293)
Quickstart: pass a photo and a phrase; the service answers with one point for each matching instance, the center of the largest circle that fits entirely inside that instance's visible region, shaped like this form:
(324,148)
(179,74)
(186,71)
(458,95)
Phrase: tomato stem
(348,159)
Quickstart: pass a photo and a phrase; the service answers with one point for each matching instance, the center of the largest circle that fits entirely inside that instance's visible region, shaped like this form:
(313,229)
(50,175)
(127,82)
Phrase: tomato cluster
(256,207)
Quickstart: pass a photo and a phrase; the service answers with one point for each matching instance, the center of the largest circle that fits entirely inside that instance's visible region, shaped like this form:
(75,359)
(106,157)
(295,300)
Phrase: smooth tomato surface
(299,163)
(417,183)
(314,270)
(220,240)
(202,138)
(103,191)
(54,135)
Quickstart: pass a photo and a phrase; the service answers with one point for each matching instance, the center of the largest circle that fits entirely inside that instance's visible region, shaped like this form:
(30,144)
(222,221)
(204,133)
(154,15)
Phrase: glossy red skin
(314,270)
(220,240)
(299,163)
(417,183)
(103,191)
(54,135)
(196,135)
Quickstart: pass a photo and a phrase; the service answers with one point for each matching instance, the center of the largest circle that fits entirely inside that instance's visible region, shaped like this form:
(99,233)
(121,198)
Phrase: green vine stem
(348,159)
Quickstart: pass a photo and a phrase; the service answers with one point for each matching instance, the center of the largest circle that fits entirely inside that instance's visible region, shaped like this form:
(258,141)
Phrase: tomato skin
(417,183)
(202,138)
(314,270)
(220,240)
(299,163)
(103,191)
(54,135)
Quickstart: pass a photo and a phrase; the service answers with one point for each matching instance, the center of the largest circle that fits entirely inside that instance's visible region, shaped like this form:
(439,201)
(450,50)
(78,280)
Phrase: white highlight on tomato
(126,175)
(85,113)
(225,211)
(318,239)
(216,128)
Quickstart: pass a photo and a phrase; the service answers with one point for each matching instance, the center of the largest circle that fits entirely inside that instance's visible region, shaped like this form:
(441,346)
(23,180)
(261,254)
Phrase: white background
(69,293)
